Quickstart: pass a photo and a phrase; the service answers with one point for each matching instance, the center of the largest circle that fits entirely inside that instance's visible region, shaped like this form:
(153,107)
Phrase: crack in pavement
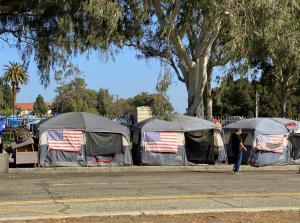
(54,198)
(231,205)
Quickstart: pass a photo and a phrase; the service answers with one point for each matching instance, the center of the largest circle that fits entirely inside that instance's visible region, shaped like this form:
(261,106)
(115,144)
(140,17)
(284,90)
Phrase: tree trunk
(283,93)
(209,112)
(14,98)
(195,87)
(283,99)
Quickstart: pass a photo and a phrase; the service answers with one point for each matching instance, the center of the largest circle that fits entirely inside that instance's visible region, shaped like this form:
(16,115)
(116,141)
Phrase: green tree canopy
(75,97)
(39,107)
(55,30)
(105,103)
(15,74)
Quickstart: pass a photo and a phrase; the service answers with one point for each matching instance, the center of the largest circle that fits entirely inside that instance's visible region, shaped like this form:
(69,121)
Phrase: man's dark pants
(237,161)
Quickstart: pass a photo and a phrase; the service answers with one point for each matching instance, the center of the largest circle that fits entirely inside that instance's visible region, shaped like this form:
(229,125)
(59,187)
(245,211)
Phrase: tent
(183,141)
(266,141)
(14,121)
(3,121)
(295,141)
(83,139)
(294,138)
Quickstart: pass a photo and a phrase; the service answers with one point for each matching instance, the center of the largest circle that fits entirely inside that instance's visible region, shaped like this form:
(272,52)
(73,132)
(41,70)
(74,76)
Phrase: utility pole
(117,105)
(256,104)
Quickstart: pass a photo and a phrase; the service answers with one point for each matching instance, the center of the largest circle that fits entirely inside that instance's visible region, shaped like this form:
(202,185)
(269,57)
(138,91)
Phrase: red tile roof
(29,106)
(25,106)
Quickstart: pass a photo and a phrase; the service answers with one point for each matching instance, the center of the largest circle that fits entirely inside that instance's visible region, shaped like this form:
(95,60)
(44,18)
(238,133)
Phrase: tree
(183,37)
(234,98)
(158,103)
(105,103)
(184,33)
(121,107)
(141,99)
(55,30)
(75,97)
(39,106)
(15,74)
(7,97)
(273,38)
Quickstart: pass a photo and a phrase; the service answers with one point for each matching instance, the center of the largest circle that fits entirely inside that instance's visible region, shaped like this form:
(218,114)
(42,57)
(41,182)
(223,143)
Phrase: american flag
(64,140)
(161,142)
(272,143)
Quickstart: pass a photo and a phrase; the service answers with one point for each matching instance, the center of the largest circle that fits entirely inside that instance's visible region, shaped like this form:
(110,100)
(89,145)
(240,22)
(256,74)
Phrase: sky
(124,76)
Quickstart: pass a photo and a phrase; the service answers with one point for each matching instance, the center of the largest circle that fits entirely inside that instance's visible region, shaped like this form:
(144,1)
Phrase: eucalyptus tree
(52,31)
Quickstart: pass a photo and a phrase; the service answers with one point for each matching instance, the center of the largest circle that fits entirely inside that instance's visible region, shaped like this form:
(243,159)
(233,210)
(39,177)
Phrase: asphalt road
(28,195)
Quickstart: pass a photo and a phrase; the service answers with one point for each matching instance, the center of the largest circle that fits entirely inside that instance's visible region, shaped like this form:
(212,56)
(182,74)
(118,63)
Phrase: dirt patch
(233,217)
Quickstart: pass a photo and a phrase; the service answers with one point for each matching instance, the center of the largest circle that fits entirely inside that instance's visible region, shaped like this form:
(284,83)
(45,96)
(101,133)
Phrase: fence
(226,120)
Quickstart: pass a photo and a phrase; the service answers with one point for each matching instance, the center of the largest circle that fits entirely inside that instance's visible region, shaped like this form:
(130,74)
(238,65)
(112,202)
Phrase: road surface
(29,196)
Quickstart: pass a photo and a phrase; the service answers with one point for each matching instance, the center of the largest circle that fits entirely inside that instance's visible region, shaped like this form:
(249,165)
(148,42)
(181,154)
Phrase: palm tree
(14,75)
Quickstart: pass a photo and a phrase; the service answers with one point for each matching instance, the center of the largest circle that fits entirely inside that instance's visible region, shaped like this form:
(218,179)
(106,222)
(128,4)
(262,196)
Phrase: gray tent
(265,139)
(83,139)
(197,141)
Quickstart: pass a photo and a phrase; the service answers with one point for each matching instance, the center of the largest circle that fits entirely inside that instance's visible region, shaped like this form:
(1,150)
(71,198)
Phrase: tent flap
(198,147)
(99,144)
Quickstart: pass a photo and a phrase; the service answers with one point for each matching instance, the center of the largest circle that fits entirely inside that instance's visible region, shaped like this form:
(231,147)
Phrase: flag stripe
(161,141)
(65,140)
(272,143)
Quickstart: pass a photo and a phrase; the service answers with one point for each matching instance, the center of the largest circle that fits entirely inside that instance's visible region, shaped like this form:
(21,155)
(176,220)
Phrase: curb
(198,168)
(155,212)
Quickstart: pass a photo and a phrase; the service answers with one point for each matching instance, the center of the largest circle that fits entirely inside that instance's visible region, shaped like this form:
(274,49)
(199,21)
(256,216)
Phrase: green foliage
(6,97)
(121,107)
(160,105)
(15,74)
(56,30)
(141,99)
(74,97)
(105,103)
(6,112)
(39,106)
(237,97)
(234,98)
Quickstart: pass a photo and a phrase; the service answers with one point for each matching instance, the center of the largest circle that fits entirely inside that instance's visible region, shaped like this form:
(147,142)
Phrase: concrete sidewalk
(197,168)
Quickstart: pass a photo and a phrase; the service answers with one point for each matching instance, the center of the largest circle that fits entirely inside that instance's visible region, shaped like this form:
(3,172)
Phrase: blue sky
(125,76)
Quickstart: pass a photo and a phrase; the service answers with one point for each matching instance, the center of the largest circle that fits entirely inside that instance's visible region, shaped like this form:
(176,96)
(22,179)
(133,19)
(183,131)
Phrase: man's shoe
(238,173)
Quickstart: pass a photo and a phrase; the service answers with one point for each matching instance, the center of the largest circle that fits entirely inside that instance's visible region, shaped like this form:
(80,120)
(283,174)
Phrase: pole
(117,105)
(256,104)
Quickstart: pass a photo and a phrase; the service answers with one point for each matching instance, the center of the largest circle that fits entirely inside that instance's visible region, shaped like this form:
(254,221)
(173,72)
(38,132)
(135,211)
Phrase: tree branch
(205,41)
(172,63)
(12,3)
(180,49)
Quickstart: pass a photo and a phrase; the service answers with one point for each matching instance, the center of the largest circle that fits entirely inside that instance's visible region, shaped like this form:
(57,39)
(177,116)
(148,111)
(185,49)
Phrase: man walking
(237,147)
